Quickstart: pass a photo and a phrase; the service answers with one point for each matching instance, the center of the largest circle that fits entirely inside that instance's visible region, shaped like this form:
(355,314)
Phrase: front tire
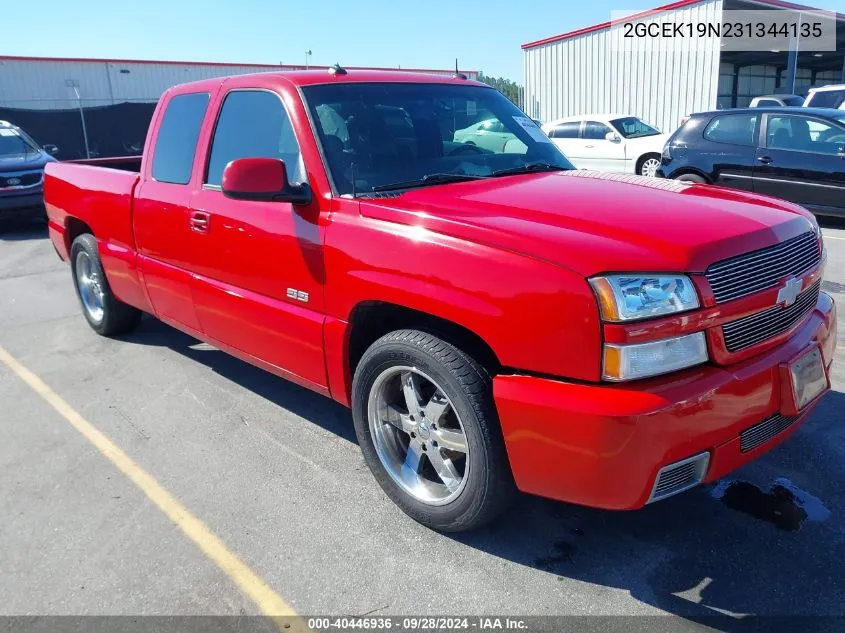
(428,429)
(105,313)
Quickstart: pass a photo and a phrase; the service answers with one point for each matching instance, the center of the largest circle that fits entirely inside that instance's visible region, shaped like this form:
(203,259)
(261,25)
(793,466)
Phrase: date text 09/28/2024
(423,623)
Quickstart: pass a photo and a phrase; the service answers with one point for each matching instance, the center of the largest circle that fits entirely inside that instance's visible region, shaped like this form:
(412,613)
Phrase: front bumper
(18,204)
(603,445)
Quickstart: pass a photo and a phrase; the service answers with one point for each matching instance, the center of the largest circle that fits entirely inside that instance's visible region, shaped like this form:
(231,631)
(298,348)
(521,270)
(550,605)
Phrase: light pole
(307,56)
(73,83)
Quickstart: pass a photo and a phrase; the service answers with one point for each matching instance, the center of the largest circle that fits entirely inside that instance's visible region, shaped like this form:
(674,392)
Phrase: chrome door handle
(589,146)
(199,221)
(765,159)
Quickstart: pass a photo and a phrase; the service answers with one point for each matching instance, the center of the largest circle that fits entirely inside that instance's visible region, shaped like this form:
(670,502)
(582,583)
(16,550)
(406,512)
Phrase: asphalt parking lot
(275,474)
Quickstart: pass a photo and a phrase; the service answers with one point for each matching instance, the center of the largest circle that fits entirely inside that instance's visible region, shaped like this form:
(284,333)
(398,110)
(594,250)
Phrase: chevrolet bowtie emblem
(789,292)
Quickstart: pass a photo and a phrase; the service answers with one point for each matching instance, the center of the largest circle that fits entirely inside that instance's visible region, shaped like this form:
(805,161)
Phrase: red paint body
(505,258)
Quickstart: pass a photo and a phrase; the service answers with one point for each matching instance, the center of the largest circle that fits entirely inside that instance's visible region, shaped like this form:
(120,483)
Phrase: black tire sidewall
(88,244)
(466,509)
(118,317)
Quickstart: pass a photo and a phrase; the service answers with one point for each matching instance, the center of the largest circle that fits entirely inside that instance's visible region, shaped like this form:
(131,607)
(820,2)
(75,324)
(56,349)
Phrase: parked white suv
(609,142)
(832,96)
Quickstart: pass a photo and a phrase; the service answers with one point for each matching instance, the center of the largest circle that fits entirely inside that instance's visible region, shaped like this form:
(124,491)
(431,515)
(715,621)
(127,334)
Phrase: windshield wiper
(528,168)
(427,180)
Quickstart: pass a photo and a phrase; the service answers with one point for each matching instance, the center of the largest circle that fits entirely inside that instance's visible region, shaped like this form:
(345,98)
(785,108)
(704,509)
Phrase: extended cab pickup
(496,320)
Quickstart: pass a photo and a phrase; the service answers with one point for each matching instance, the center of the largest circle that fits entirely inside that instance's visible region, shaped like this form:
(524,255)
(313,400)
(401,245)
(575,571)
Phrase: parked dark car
(797,154)
(22,163)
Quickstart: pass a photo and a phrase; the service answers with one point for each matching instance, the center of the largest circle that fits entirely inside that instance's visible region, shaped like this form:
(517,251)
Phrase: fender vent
(680,476)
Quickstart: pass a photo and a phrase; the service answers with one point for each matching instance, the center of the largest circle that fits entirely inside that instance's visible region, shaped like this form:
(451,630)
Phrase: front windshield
(793,101)
(632,127)
(13,143)
(380,134)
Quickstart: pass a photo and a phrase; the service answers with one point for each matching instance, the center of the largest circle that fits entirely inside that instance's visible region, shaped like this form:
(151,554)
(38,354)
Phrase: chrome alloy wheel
(90,287)
(649,167)
(418,435)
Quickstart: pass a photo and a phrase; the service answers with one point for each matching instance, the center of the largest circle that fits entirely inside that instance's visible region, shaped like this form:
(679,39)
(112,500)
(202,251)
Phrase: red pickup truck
(496,320)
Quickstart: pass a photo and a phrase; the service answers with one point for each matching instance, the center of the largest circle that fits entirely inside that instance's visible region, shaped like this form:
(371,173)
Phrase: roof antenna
(458,73)
(337,69)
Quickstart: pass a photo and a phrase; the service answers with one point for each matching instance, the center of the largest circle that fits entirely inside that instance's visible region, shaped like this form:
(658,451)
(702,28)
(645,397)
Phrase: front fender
(535,316)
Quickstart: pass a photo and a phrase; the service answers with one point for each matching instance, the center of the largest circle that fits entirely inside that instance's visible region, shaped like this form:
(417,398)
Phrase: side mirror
(840,151)
(612,137)
(51,149)
(263,179)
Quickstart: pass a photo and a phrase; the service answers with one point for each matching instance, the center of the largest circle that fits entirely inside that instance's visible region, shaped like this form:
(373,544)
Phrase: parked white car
(832,96)
(609,142)
(490,134)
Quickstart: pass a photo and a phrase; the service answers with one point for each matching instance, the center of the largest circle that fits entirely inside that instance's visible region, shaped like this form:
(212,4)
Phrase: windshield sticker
(472,108)
(8,132)
(529,126)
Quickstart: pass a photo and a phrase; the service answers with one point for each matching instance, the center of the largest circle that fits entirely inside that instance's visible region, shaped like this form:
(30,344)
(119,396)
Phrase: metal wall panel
(42,83)
(601,72)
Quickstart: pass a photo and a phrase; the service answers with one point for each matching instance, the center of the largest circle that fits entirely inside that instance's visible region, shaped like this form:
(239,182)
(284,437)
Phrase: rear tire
(105,313)
(692,178)
(648,165)
(428,429)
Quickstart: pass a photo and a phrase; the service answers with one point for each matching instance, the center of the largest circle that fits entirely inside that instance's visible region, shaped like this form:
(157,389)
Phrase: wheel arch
(74,227)
(370,320)
(692,171)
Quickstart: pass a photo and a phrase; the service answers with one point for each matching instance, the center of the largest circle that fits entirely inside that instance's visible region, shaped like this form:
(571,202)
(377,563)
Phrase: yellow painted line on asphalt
(831,237)
(267,601)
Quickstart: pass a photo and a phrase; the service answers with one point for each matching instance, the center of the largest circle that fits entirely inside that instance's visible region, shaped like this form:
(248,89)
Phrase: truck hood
(593,222)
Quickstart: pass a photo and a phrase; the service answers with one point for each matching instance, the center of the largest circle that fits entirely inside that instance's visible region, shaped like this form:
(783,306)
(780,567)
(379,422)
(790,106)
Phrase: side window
(768,102)
(803,134)
(736,129)
(566,130)
(253,124)
(595,131)
(176,144)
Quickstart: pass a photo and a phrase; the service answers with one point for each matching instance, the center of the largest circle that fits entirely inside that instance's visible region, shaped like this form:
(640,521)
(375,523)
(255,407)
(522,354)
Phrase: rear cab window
(253,123)
(733,129)
(176,143)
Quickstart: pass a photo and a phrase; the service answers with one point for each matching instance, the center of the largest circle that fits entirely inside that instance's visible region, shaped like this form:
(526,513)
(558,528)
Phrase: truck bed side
(85,198)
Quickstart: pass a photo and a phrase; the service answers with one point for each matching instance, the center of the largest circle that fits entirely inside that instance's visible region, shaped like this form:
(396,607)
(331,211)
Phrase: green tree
(510,89)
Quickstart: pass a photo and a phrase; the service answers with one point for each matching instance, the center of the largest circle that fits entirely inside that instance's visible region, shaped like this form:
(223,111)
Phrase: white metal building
(48,83)
(594,70)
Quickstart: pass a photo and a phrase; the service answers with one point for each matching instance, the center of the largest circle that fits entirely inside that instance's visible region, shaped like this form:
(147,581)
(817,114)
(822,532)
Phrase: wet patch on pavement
(785,505)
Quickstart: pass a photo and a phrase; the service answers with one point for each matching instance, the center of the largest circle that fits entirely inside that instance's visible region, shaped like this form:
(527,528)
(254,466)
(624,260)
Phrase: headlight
(642,360)
(627,297)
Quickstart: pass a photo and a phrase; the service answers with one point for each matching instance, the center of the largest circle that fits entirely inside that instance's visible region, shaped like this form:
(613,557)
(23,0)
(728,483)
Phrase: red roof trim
(224,64)
(780,4)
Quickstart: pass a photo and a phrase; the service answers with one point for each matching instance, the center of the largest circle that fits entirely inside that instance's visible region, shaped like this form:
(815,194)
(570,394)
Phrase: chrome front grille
(679,476)
(758,327)
(749,273)
(760,433)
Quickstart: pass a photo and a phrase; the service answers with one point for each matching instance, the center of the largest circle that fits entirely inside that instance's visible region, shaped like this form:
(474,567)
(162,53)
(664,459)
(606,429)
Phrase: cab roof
(300,78)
